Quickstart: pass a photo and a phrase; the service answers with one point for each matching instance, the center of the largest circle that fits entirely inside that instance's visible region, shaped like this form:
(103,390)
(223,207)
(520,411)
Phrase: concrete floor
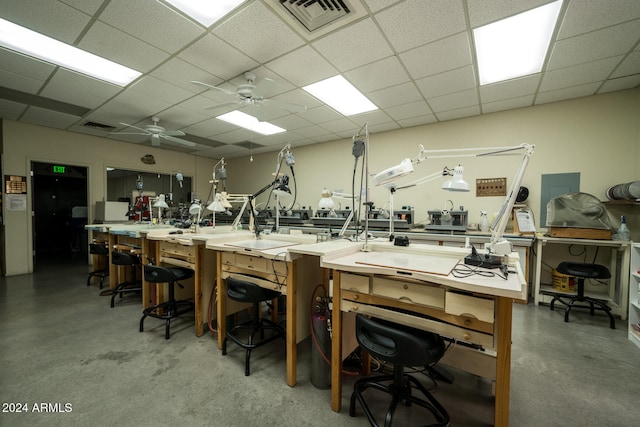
(60,343)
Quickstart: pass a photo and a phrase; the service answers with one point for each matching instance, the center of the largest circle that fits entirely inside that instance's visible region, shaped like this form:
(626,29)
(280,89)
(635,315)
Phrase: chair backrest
(397,343)
(98,249)
(245,291)
(123,258)
(584,270)
(157,274)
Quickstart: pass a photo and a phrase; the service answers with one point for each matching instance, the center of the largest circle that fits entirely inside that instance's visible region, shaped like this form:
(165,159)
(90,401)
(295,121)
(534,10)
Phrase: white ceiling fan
(250,95)
(157,132)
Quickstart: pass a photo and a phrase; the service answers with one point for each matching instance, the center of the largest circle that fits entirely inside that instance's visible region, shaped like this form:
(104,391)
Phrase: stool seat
(101,251)
(171,308)
(402,346)
(581,271)
(133,285)
(249,292)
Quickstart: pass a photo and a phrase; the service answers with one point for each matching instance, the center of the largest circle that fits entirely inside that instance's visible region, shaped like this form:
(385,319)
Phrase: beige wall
(597,136)
(24,143)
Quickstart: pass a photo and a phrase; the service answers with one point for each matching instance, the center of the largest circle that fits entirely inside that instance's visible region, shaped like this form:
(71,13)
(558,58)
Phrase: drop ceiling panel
(459,113)
(577,75)
(303,66)
(413,23)
(51,18)
(395,95)
(408,110)
(377,5)
(507,104)
(414,121)
(437,57)
(600,44)
(355,45)
(567,93)
(217,57)
(77,89)
(87,6)
(265,39)
(43,117)
(630,65)
(482,12)
(448,82)
(585,16)
(24,65)
(620,83)
(510,89)
(11,110)
(120,47)
(149,21)
(20,82)
(186,72)
(378,75)
(160,90)
(454,101)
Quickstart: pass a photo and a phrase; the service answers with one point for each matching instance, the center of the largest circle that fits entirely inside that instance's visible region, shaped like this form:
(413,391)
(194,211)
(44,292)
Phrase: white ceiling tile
(459,113)
(417,121)
(258,40)
(600,44)
(320,114)
(291,122)
(26,66)
(149,20)
(49,118)
(442,55)
(133,106)
(209,128)
(160,89)
(20,82)
(187,72)
(395,95)
(482,12)
(448,82)
(217,57)
(583,16)
(376,116)
(78,89)
(630,65)
(412,23)
(375,128)
(408,110)
(182,116)
(120,47)
(577,75)
(303,66)
(51,18)
(11,110)
(510,89)
(87,6)
(454,101)
(378,75)
(507,104)
(567,93)
(377,5)
(357,44)
(620,84)
(311,131)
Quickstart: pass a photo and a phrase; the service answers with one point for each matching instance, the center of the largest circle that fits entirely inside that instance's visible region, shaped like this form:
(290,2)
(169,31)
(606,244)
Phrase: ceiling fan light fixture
(247,121)
(341,95)
(206,12)
(36,45)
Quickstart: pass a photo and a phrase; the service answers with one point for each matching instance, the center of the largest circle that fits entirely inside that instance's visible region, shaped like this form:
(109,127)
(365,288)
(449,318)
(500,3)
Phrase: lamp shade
(282,190)
(457,182)
(195,209)
(161,203)
(217,205)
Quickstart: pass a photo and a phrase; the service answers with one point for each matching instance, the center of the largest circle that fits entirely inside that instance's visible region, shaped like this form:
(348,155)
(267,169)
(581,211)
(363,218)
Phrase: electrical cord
(462,271)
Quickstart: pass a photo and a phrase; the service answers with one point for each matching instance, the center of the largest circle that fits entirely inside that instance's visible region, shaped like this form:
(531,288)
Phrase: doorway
(59,213)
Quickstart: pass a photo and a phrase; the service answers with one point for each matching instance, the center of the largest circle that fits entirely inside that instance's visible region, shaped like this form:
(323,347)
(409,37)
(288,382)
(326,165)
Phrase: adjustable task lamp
(160,203)
(195,210)
(217,206)
(326,202)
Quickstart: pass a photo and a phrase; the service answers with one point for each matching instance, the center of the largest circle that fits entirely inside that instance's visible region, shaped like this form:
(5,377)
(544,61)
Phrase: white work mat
(433,264)
(261,244)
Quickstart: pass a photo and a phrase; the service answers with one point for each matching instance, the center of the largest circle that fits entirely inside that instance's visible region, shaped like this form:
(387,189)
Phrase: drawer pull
(466,337)
(354,308)
(467,322)
(405,286)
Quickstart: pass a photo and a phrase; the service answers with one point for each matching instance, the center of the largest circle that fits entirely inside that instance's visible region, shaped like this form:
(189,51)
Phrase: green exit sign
(59,169)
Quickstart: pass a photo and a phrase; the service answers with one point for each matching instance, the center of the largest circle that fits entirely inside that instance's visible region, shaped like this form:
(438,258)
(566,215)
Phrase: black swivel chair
(171,308)
(132,285)
(583,271)
(402,346)
(244,291)
(102,252)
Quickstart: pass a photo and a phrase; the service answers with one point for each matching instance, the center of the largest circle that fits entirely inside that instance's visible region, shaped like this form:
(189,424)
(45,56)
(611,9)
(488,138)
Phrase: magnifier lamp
(160,203)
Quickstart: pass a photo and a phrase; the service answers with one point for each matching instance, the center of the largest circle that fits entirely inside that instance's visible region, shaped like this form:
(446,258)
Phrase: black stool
(244,291)
(171,308)
(100,252)
(133,285)
(583,271)
(402,346)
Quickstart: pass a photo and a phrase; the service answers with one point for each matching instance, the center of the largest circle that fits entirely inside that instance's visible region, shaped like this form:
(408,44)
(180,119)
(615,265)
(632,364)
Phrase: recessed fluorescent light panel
(206,12)
(246,121)
(340,95)
(39,46)
(515,46)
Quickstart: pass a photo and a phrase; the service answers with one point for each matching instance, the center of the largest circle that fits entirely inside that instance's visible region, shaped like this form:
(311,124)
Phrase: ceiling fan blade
(292,108)
(264,87)
(208,86)
(174,133)
(256,111)
(226,104)
(178,140)
(129,133)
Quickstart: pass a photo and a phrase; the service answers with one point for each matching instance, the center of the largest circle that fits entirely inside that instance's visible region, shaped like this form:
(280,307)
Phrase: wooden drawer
(354,282)
(418,293)
(251,262)
(482,309)
(176,249)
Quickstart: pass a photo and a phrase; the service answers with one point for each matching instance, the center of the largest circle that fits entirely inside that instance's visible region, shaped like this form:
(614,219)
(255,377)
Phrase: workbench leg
(221,315)
(336,346)
(291,310)
(503,361)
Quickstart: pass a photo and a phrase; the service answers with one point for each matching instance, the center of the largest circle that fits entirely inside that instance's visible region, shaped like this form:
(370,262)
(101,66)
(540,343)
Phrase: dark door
(59,212)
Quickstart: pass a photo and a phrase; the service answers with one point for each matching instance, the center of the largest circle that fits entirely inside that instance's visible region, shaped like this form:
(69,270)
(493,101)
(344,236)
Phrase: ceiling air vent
(314,18)
(96,125)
